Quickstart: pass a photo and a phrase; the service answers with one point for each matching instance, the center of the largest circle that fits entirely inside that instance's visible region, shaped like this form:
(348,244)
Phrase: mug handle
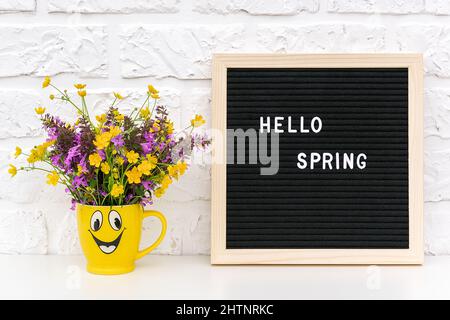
(159,215)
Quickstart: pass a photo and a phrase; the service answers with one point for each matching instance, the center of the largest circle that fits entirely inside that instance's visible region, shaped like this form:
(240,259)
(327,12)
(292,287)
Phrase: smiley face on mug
(107,231)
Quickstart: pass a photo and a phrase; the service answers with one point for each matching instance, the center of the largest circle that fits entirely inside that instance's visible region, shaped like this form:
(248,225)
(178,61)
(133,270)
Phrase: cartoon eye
(115,220)
(96,221)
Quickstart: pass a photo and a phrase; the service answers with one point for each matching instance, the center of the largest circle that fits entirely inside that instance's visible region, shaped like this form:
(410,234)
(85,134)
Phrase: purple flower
(146,201)
(73,152)
(118,141)
(148,185)
(102,154)
(200,141)
(55,159)
(79,181)
(83,164)
(147,147)
(149,136)
(167,159)
(52,133)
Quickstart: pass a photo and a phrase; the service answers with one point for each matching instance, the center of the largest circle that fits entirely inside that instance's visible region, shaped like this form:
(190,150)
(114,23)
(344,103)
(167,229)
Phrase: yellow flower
(132,156)
(114,131)
(146,167)
(52,97)
(48,143)
(115,173)
(82,93)
(102,140)
(145,113)
(117,190)
(118,96)
(79,86)
(101,118)
(155,96)
(152,90)
(95,160)
(53,178)
(134,175)
(105,168)
(32,158)
(118,116)
(80,170)
(119,161)
(12,170)
(155,127)
(169,127)
(165,182)
(39,110)
(152,159)
(46,83)
(198,121)
(159,192)
(177,170)
(38,152)
(18,152)
(173,172)
(182,166)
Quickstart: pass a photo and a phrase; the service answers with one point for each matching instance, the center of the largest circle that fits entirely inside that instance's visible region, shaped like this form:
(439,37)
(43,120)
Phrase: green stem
(83,101)
(114,103)
(67,98)
(143,105)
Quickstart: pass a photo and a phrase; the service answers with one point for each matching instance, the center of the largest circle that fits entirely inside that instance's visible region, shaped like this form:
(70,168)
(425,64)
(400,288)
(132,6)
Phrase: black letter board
(341,177)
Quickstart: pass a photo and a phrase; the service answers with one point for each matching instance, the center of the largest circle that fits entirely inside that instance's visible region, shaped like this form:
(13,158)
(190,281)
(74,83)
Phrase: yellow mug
(110,236)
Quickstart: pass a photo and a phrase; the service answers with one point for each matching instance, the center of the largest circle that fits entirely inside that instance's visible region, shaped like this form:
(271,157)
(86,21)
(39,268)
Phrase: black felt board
(363,110)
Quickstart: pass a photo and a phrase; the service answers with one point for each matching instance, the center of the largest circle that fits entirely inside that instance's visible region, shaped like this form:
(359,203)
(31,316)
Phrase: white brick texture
(256,7)
(183,52)
(432,40)
(439,7)
(321,38)
(125,45)
(23,232)
(377,6)
(111,6)
(51,50)
(16,108)
(17,6)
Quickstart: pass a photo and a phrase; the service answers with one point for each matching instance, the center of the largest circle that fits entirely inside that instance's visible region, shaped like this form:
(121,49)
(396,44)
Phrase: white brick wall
(390,6)
(180,51)
(111,6)
(17,5)
(124,45)
(51,50)
(256,7)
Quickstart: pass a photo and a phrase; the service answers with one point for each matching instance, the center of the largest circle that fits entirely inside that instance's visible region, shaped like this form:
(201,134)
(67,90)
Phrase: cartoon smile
(107,247)
(115,222)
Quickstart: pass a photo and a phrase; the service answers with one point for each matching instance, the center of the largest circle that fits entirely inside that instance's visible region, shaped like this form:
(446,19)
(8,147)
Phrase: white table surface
(192,277)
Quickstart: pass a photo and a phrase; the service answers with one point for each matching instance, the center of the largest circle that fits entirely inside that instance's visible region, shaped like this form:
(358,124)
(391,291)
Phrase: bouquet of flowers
(115,159)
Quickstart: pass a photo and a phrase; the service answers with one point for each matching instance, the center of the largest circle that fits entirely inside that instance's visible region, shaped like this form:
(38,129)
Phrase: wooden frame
(413,255)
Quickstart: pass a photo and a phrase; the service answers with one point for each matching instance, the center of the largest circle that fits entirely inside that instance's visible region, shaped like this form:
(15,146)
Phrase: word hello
(265,125)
